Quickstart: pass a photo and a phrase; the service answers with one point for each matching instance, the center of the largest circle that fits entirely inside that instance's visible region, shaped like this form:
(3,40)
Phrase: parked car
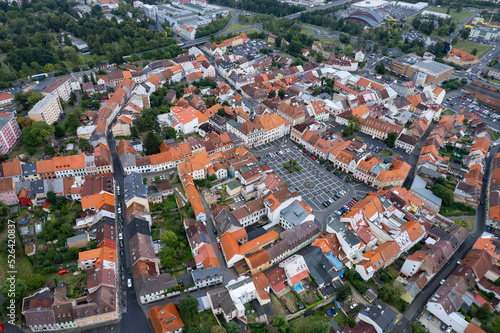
(215,231)
(122,253)
(353,306)
(442,281)
(129,283)
(430,316)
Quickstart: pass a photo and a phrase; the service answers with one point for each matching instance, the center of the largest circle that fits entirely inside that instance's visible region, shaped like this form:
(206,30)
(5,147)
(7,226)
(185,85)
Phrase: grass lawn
(495,135)
(466,222)
(386,153)
(23,265)
(469,46)
(326,40)
(205,318)
(460,16)
(306,31)
(307,324)
(290,301)
(358,138)
(236,26)
(250,31)
(448,111)
(278,309)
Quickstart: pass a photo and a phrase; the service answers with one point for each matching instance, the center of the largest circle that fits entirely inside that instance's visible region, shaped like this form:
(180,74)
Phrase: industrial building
(421,71)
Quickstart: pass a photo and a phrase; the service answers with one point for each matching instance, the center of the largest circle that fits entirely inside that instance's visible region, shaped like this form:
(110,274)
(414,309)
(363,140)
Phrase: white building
(47,110)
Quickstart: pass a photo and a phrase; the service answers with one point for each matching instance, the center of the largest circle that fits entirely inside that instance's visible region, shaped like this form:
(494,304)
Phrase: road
(461,26)
(418,305)
(328,5)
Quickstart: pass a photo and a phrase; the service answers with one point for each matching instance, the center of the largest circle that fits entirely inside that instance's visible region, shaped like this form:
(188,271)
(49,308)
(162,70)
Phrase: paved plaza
(313,182)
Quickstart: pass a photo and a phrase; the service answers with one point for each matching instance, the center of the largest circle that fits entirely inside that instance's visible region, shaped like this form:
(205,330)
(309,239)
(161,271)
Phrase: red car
(313,158)
(1,327)
(63,271)
(304,151)
(220,248)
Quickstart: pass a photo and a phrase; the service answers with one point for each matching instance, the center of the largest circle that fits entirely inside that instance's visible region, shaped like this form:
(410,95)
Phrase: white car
(129,283)
(353,305)
(442,281)
(119,210)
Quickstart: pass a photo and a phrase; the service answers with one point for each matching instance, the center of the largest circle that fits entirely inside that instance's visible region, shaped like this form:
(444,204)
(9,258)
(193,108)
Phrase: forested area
(33,37)
(261,6)
(213,27)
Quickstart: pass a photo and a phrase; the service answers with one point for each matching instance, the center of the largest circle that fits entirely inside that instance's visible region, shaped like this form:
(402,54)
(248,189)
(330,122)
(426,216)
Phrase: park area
(464,45)
(460,16)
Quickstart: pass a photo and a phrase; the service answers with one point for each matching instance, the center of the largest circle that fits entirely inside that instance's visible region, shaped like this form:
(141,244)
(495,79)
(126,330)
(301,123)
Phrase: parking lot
(313,182)
(250,48)
(469,103)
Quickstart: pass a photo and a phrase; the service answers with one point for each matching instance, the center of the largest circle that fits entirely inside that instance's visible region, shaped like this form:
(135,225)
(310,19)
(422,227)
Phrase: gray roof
(381,315)
(55,185)
(224,220)
(294,214)
(337,226)
(4,120)
(300,233)
(138,226)
(44,84)
(202,274)
(147,284)
(77,238)
(220,299)
(127,159)
(431,66)
(28,169)
(37,187)
(277,249)
(134,187)
(321,269)
(429,172)
(418,186)
(351,238)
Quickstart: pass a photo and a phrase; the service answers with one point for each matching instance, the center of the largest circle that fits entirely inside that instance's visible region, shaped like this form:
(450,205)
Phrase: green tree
(465,33)
(59,131)
(483,312)
(454,40)
(380,68)
(84,145)
(298,168)
(35,281)
(170,133)
(281,93)
(233,327)
(474,51)
(169,238)
(391,292)
(218,329)
(271,94)
(221,112)
(24,122)
(281,324)
(188,306)
(391,139)
(445,194)
(37,133)
(416,328)
(344,292)
(151,144)
(19,289)
(321,327)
